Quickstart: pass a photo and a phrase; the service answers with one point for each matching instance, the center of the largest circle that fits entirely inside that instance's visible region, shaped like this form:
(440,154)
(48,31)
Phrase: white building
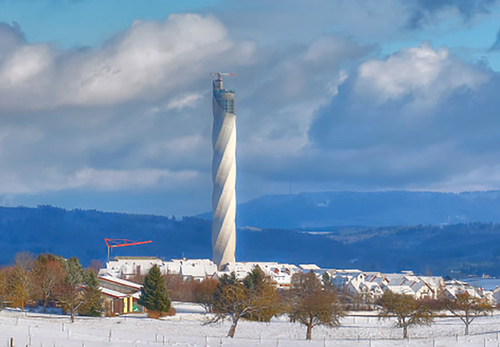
(127,267)
(279,274)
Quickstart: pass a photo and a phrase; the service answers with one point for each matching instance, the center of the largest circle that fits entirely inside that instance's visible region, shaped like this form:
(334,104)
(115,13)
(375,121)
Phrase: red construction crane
(113,243)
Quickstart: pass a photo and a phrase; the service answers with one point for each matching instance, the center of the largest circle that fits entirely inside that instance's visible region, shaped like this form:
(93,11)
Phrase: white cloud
(424,73)
(181,101)
(52,179)
(135,114)
(125,179)
(144,62)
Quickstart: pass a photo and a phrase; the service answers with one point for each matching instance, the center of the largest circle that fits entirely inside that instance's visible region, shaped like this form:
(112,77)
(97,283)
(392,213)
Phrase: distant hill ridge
(81,233)
(472,248)
(388,208)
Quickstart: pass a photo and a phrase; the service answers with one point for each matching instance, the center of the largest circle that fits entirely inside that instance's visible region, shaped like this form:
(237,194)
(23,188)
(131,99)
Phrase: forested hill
(81,233)
(310,210)
(471,248)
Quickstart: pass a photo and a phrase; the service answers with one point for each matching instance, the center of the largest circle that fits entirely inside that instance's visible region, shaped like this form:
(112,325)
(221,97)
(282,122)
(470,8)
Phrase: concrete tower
(223,173)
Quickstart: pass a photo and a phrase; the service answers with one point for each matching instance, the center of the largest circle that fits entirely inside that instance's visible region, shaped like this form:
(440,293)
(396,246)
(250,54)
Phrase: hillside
(313,210)
(470,248)
(81,233)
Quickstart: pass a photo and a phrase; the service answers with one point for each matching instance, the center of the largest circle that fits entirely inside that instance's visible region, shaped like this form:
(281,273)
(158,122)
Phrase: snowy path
(186,329)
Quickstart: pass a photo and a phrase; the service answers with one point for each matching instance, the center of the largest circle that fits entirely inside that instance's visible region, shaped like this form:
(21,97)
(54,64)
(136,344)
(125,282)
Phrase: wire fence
(39,330)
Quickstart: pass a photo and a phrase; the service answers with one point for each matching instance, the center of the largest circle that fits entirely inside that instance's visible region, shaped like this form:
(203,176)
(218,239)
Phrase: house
(116,303)
(496,294)
(455,287)
(308,267)
(191,269)
(341,278)
(120,296)
(406,290)
(422,290)
(128,267)
(240,269)
(367,291)
(279,274)
(118,284)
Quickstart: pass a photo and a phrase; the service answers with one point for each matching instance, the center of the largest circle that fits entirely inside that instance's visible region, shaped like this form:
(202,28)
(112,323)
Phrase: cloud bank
(322,108)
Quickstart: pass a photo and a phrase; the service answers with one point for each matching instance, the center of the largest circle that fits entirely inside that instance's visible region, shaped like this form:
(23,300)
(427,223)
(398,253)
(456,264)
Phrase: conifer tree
(71,296)
(154,295)
(92,301)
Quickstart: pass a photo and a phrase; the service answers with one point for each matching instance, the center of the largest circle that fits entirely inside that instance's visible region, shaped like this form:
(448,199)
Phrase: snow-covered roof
(372,287)
(395,279)
(309,267)
(121,282)
(118,295)
(193,270)
(349,271)
(112,293)
(433,281)
(401,290)
(420,285)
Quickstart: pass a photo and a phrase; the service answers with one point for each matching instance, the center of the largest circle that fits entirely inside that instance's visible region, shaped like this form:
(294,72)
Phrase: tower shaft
(223,175)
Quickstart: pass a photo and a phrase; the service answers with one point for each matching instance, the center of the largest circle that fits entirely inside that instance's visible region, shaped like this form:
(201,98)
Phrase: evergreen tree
(154,295)
(71,296)
(92,301)
(75,274)
(327,282)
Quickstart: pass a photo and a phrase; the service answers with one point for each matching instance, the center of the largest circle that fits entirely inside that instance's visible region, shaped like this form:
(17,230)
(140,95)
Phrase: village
(363,288)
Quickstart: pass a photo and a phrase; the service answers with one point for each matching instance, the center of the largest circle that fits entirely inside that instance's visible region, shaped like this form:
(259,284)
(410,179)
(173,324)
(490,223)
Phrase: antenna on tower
(220,74)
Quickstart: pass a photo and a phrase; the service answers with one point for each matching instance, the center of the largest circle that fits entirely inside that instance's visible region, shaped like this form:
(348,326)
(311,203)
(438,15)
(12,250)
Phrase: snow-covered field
(187,329)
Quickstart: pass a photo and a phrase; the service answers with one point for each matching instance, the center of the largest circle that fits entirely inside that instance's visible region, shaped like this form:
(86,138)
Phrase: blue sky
(71,23)
(106,104)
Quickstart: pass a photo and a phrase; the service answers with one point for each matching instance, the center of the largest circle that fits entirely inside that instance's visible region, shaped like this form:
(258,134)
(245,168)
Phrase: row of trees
(408,311)
(50,279)
(308,302)
(254,298)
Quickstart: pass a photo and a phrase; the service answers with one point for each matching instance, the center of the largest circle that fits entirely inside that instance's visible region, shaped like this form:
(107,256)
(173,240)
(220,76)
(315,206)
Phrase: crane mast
(114,243)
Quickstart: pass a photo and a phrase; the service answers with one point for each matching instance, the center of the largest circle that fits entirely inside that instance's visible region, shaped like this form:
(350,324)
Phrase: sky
(106,104)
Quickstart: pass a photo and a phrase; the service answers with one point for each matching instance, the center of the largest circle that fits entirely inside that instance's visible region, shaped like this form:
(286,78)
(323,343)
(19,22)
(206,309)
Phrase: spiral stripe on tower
(223,176)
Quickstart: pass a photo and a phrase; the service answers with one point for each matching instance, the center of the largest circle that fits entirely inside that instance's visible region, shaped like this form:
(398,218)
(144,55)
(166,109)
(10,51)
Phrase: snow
(112,293)
(120,281)
(187,328)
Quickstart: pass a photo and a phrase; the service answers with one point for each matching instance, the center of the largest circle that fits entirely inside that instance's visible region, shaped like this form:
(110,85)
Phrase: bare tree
(5,290)
(407,310)
(253,299)
(468,308)
(71,298)
(21,286)
(26,260)
(95,265)
(49,275)
(175,286)
(204,293)
(310,305)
